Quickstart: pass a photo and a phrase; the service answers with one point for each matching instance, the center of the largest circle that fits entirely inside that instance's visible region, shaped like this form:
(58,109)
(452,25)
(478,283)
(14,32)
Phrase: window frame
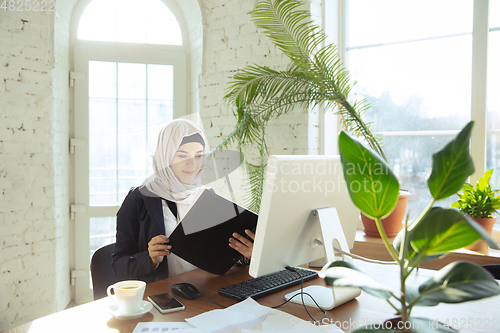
(81,52)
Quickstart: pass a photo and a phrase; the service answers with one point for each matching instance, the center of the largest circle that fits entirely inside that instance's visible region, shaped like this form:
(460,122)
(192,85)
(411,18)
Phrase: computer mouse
(185,290)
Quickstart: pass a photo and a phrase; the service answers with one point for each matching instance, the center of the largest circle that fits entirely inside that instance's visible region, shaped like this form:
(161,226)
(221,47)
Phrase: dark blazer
(139,219)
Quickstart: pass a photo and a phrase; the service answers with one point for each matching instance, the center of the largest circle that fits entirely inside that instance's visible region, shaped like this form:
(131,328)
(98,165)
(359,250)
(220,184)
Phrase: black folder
(202,237)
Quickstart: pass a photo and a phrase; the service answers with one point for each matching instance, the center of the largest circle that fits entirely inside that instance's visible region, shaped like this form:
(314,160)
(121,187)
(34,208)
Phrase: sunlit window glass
(128,105)
(129,21)
(413,65)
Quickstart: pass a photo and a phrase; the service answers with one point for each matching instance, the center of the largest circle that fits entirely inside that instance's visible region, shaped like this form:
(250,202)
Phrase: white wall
(34,168)
(35,117)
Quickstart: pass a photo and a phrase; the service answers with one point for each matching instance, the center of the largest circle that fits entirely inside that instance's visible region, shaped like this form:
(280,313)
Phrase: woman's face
(187,161)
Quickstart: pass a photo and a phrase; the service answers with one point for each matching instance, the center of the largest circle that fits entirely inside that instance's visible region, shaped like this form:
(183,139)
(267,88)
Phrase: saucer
(144,308)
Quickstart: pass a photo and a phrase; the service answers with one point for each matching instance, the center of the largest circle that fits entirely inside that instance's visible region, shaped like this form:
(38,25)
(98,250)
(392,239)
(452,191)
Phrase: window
(419,90)
(127,90)
(129,21)
(128,105)
(413,62)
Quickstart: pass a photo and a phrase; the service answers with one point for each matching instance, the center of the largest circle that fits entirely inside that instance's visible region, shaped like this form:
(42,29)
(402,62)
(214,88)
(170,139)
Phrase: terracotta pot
(487,223)
(393,223)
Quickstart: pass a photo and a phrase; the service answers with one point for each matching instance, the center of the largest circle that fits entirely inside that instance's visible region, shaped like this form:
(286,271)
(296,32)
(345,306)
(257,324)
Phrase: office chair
(102,271)
(494,270)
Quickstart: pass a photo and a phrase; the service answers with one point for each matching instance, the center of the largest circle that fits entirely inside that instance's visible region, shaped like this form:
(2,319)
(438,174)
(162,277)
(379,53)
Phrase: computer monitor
(289,229)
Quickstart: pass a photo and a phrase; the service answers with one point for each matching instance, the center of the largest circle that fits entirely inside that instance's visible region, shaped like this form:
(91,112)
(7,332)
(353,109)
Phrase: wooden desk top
(93,317)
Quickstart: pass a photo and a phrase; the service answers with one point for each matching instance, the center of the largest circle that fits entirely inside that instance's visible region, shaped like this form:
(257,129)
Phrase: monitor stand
(332,235)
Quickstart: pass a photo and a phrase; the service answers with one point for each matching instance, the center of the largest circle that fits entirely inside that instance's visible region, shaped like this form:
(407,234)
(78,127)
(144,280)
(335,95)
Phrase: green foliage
(346,276)
(478,201)
(451,166)
(374,188)
(315,76)
(457,282)
(443,230)
(435,232)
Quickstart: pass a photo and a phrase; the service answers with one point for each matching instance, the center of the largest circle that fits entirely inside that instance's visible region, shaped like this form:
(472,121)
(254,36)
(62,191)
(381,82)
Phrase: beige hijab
(163,182)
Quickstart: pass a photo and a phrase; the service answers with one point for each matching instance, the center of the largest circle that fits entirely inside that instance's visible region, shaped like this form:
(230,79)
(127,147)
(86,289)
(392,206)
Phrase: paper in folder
(202,236)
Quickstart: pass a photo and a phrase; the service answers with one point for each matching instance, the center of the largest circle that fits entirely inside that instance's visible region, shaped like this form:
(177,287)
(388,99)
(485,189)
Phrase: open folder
(202,236)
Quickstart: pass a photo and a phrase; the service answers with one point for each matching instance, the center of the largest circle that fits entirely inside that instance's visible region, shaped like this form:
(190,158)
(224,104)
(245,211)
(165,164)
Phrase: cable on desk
(302,293)
(208,300)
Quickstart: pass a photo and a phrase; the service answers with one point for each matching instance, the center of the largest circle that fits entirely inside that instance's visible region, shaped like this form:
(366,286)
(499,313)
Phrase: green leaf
(410,252)
(442,230)
(411,294)
(483,182)
(338,274)
(372,186)
(458,282)
(451,166)
(482,232)
(290,29)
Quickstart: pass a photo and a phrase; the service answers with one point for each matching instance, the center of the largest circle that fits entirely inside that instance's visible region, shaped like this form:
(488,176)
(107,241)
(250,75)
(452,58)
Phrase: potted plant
(422,239)
(393,223)
(315,76)
(480,203)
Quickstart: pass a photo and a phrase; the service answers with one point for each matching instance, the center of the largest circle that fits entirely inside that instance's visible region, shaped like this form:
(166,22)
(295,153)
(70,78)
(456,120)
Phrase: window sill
(374,248)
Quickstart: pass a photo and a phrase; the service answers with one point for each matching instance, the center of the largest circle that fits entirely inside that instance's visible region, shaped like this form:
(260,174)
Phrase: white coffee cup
(128,295)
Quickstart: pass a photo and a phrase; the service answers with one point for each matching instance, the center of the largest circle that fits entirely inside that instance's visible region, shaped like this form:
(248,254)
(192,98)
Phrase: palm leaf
(256,173)
(289,28)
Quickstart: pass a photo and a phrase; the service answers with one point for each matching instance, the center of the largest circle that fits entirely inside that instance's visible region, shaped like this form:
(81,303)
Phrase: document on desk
(249,316)
(153,327)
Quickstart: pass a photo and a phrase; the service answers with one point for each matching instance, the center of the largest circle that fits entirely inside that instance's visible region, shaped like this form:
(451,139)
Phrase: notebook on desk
(202,236)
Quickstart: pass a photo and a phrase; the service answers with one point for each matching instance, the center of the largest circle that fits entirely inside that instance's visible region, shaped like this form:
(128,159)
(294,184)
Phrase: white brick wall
(35,117)
(34,127)
(28,225)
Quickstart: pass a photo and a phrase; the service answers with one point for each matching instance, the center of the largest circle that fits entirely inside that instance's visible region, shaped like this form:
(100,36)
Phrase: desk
(374,248)
(93,317)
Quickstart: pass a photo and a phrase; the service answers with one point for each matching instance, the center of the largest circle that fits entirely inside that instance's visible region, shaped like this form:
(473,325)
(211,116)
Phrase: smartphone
(166,303)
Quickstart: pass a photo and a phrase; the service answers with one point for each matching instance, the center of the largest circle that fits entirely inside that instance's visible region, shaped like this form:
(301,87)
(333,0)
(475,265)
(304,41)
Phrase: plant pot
(487,223)
(393,223)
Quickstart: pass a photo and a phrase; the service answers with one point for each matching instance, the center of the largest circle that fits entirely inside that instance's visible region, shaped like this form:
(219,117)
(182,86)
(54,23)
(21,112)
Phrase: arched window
(129,82)
(149,22)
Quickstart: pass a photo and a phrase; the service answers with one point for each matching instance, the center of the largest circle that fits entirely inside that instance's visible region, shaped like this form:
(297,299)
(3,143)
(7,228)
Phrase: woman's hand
(242,244)
(158,249)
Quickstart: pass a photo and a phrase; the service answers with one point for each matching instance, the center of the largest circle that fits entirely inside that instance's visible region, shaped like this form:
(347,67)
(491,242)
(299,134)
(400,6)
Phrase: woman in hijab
(151,212)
